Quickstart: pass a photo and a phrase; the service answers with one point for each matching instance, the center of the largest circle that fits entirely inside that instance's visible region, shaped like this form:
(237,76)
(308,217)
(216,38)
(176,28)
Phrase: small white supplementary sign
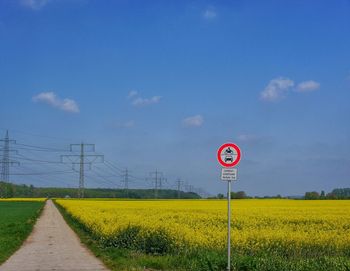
(229,174)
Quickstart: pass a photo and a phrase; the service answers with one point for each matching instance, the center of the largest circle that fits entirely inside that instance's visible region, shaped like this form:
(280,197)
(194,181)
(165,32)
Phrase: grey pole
(81,172)
(229,225)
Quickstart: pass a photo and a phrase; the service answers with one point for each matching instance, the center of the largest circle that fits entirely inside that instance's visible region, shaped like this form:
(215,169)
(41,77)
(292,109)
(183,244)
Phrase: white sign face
(229,174)
(229,155)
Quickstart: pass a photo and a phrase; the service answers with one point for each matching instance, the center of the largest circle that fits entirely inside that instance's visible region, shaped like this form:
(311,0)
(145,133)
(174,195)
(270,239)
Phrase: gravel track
(52,246)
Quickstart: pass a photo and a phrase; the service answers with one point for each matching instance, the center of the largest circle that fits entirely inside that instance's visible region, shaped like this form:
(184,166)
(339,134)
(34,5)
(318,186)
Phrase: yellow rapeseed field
(283,227)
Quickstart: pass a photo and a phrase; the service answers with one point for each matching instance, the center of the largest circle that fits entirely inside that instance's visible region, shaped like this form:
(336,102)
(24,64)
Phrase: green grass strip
(16,223)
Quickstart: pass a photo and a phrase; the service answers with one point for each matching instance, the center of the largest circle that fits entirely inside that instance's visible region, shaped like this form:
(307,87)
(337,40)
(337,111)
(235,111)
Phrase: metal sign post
(228,225)
(229,156)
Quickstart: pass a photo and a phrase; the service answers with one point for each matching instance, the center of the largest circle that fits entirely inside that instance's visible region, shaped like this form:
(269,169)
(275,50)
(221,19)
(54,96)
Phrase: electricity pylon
(158,178)
(179,183)
(6,162)
(126,181)
(80,159)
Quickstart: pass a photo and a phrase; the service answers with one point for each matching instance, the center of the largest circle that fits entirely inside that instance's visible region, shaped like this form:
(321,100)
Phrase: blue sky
(160,84)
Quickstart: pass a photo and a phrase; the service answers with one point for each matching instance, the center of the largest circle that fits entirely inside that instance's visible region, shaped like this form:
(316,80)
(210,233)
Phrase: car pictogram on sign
(228,159)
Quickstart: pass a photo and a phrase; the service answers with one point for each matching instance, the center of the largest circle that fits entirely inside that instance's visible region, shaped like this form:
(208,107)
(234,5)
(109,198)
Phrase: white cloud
(247,137)
(209,14)
(51,99)
(138,101)
(194,121)
(146,101)
(132,94)
(276,89)
(34,4)
(126,124)
(254,139)
(307,86)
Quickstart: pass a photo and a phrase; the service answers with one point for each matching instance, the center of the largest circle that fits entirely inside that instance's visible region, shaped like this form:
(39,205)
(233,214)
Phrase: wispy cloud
(132,94)
(126,124)
(209,14)
(276,89)
(34,4)
(307,86)
(260,142)
(194,121)
(247,137)
(146,101)
(140,101)
(51,99)
(129,124)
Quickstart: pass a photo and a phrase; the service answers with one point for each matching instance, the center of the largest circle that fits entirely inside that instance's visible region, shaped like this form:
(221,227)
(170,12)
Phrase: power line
(126,181)
(41,148)
(109,164)
(112,169)
(82,161)
(189,188)
(179,183)
(157,177)
(22,157)
(41,173)
(104,179)
(40,155)
(114,176)
(37,172)
(36,135)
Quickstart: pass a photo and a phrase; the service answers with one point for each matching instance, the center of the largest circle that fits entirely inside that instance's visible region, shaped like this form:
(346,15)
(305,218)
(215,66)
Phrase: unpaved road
(52,246)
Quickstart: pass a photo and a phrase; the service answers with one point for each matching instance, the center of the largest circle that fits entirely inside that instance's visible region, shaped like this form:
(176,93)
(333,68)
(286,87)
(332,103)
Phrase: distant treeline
(9,190)
(338,193)
(243,195)
(234,195)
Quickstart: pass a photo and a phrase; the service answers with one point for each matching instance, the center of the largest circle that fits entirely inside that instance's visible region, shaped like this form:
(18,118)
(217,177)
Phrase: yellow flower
(279,226)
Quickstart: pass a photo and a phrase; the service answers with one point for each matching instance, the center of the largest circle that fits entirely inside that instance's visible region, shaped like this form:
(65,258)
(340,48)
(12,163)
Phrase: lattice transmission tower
(82,159)
(6,162)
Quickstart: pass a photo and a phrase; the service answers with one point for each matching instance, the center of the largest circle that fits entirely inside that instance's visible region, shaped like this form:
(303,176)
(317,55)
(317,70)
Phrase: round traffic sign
(229,155)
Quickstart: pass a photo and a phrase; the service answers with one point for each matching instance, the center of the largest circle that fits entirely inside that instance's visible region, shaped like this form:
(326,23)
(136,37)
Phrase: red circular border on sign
(238,158)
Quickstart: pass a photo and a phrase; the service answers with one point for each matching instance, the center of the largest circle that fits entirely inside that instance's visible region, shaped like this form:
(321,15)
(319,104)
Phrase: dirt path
(52,246)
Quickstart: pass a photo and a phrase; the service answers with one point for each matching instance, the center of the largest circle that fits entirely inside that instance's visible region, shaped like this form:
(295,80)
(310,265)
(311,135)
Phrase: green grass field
(16,223)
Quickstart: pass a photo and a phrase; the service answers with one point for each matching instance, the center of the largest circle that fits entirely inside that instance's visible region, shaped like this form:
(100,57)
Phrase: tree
(238,195)
(10,191)
(2,189)
(312,195)
(332,196)
(31,190)
(220,196)
(342,193)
